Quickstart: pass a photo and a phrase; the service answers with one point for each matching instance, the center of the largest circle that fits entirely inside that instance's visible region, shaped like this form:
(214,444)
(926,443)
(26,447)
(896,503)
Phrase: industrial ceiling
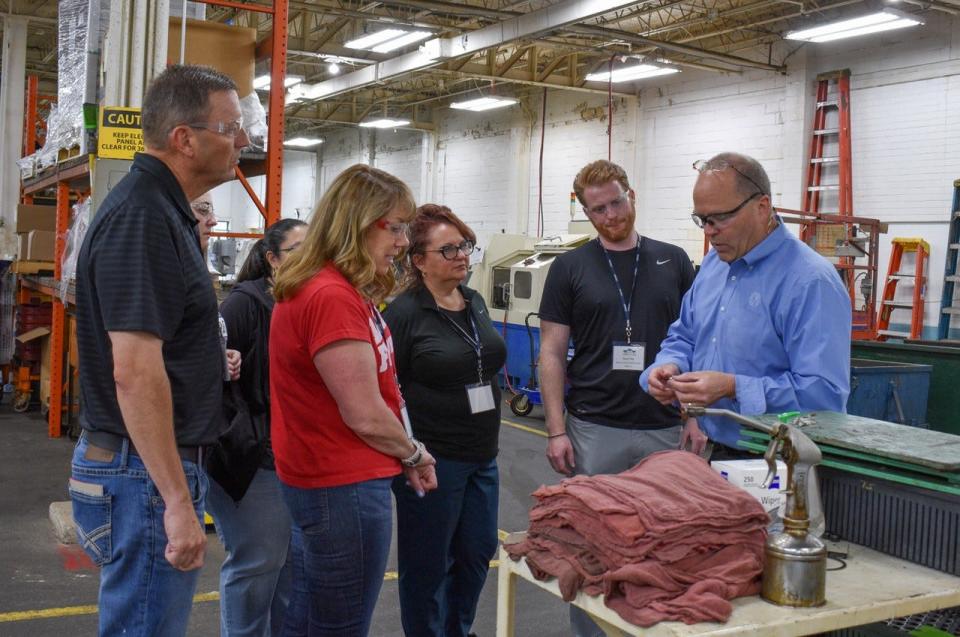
(503,47)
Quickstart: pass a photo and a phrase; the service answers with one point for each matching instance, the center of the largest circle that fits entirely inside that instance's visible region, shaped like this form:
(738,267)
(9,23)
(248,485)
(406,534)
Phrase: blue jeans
(255,576)
(445,541)
(341,539)
(119,517)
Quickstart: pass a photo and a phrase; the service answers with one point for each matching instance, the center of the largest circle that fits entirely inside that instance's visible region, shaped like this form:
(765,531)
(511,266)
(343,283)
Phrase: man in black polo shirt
(616,297)
(151,366)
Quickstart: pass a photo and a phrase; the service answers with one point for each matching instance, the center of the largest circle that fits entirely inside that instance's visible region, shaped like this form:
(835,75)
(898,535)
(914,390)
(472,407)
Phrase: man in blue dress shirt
(766,326)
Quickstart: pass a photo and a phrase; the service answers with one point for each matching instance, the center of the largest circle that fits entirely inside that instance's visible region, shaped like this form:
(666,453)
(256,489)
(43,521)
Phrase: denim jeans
(445,541)
(119,517)
(341,539)
(255,576)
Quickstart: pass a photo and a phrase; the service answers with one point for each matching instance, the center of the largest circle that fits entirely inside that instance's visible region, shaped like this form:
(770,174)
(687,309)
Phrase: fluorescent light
(873,23)
(483,104)
(404,40)
(385,123)
(262,83)
(374,39)
(303,142)
(629,73)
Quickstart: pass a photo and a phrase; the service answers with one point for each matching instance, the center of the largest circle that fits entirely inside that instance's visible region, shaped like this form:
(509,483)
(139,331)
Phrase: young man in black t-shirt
(615,297)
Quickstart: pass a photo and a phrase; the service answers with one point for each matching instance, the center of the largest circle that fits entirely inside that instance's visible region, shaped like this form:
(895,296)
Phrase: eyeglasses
(450,252)
(202,208)
(227,129)
(397,229)
(703,165)
(719,218)
(616,205)
(291,248)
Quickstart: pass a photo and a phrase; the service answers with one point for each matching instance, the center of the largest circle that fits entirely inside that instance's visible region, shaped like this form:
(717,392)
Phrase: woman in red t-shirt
(337,417)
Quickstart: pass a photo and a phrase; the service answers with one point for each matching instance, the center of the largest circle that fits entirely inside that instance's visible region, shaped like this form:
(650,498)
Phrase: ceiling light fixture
(630,73)
(885,20)
(373,39)
(303,142)
(333,68)
(403,40)
(385,123)
(262,83)
(483,104)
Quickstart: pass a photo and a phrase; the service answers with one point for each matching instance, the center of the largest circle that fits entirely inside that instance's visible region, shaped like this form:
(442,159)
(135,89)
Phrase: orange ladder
(889,303)
(833,92)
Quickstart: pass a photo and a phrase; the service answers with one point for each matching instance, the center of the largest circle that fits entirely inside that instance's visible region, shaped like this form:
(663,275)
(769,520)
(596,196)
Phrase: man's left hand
(233,364)
(703,388)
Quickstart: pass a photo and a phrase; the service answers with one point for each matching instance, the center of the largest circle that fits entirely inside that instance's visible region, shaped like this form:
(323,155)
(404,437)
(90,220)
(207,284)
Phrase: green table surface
(924,447)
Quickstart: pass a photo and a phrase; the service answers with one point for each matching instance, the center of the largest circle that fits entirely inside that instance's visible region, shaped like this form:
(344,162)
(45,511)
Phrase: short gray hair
(750,175)
(179,95)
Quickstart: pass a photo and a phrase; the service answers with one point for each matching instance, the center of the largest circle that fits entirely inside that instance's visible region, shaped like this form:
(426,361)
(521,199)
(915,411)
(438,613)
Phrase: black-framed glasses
(450,251)
(703,165)
(227,129)
(719,218)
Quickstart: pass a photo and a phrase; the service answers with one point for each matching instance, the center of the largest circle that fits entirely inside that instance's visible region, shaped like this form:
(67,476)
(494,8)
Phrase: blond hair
(356,199)
(599,173)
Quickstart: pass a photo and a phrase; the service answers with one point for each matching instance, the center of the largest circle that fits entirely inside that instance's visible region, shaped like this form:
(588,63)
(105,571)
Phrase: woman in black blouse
(447,354)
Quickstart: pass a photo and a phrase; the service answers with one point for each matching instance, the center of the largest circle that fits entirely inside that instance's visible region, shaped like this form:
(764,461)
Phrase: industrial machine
(511,277)
(223,255)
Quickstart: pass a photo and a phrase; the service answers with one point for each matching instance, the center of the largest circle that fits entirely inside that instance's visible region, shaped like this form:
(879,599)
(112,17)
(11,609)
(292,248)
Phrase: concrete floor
(50,589)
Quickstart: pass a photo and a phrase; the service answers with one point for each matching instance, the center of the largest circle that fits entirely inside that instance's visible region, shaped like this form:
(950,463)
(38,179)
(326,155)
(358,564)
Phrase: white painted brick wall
(398,153)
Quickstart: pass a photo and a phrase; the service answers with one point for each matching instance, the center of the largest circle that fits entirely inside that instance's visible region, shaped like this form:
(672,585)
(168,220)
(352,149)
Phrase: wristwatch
(416,456)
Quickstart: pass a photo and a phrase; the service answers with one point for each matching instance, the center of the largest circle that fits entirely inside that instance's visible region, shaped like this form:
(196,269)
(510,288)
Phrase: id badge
(628,357)
(480,397)
(405,417)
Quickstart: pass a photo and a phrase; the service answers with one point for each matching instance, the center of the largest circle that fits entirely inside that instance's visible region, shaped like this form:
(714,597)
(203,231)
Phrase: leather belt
(114,443)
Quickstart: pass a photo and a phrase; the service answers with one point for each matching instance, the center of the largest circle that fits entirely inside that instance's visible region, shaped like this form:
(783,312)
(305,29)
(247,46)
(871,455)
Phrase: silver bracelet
(416,456)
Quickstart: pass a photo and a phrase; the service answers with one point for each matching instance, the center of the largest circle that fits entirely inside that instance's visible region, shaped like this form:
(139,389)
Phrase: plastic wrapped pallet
(78,230)
(81,28)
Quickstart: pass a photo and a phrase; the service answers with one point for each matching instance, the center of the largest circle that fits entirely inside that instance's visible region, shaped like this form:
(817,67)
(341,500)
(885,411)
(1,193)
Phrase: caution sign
(120,134)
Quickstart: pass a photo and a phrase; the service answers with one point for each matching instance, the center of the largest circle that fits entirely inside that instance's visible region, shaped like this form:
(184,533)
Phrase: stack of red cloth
(669,539)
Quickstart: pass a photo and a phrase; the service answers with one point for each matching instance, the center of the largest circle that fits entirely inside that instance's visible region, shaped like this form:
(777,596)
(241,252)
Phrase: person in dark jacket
(245,499)
(447,354)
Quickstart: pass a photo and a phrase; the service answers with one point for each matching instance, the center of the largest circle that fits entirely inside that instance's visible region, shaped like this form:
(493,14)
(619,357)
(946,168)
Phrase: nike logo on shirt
(659,262)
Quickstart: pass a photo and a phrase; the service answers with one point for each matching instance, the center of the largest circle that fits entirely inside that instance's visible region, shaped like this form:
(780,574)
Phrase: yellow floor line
(517,425)
(212,596)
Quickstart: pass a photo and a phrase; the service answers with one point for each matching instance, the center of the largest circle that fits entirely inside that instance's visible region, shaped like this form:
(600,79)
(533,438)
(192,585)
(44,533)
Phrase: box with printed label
(749,475)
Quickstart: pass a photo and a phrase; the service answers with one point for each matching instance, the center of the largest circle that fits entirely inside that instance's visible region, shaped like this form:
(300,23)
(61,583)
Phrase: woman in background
(244,498)
(448,354)
(338,429)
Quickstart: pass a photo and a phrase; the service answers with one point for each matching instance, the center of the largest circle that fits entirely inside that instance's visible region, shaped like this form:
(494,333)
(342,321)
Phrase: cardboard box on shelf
(31,217)
(229,49)
(41,245)
(22,244)
(749,474)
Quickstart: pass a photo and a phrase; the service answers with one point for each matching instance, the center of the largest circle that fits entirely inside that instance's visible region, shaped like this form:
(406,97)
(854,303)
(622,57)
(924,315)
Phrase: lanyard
(472,342)
(627,304)
(378,322)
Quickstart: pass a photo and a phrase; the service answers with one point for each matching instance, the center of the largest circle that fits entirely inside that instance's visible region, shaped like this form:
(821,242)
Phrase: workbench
(872,587)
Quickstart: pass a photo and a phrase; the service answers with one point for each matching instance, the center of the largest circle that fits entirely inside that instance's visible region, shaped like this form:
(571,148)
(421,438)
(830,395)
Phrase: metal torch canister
(795,570)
